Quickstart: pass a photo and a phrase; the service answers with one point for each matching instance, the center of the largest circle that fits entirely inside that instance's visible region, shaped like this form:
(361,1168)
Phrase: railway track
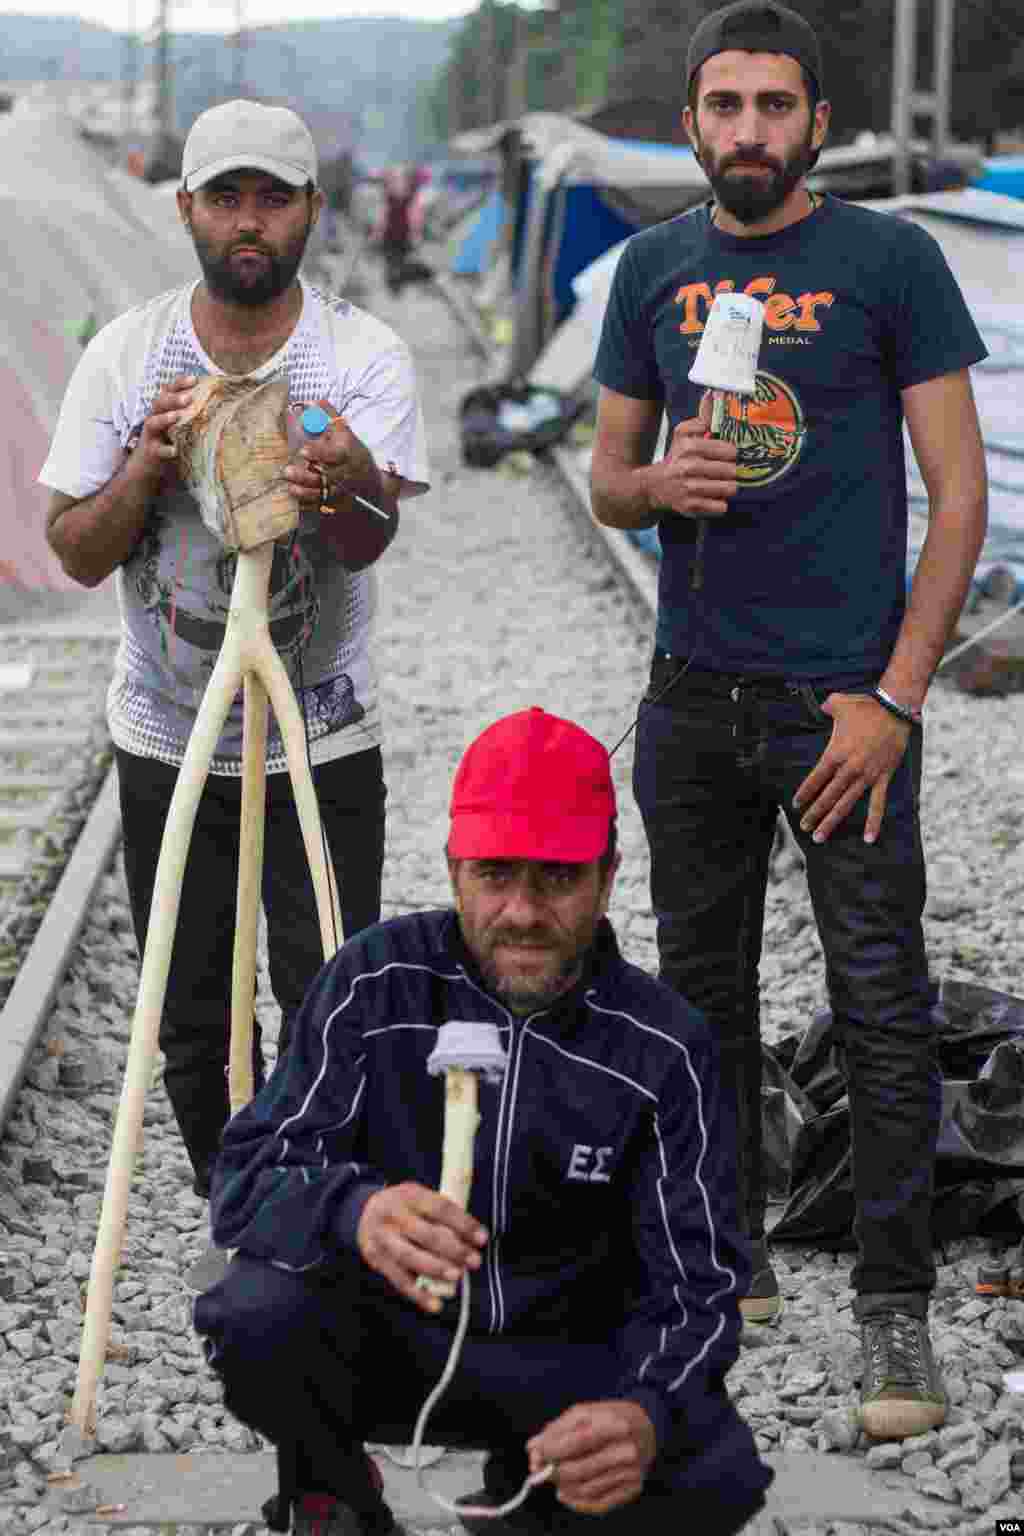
(498,595)
(54,758)
(58,820)
(56,774)
(64,1028)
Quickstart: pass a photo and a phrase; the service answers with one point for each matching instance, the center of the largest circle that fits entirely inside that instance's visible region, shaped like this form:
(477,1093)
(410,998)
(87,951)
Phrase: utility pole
(164,104)
(454,105)
(908,103)
(239,80)
(515,102)
(490,68)
(129,62)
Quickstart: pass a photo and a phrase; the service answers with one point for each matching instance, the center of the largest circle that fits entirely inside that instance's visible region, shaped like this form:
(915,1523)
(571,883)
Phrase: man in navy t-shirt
(792,670)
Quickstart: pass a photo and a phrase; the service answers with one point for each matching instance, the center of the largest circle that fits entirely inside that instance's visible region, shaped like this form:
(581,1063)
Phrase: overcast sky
(219,15)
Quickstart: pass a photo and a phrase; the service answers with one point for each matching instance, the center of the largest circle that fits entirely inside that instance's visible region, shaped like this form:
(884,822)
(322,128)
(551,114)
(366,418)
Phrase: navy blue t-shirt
(805,575)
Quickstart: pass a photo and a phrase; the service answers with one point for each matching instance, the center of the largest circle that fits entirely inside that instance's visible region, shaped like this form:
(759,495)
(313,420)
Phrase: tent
(477,246)
(83,242)
(981,234)
(77,253)
(982,237)
(1002,173)
(585,192)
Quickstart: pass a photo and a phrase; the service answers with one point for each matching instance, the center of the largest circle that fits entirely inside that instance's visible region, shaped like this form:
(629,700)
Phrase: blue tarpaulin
(475,254)
(1003,173)
(589,223)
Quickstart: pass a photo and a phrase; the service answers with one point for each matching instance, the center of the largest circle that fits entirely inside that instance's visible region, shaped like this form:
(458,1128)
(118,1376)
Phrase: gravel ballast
(491,600)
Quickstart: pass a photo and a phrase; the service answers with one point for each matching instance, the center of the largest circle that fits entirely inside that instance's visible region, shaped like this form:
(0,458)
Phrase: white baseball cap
(247,136)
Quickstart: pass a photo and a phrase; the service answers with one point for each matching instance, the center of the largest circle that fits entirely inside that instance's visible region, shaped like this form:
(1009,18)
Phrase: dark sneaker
(901,1390)
(993,1277)
(527,1520)
(997,1277)
(505,1471)
(762,1303)
(650,1515)
(323,1514)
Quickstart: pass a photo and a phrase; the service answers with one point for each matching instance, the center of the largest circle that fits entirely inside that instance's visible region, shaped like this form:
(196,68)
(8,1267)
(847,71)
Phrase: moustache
(759,161)
(537,938)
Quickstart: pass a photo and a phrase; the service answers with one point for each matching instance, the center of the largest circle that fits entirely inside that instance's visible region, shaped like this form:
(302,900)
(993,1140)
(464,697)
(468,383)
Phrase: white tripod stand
(247,660)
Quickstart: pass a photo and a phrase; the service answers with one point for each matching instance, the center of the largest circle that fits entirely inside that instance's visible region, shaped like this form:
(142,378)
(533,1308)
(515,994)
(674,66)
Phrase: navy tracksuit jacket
(604,1164)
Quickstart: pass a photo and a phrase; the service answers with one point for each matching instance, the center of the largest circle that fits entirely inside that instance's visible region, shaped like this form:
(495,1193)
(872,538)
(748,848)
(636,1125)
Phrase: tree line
(576,55)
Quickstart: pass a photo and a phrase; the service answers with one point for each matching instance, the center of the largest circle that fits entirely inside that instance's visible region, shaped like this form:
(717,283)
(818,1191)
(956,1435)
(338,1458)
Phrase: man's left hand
(601,1452)
(347,463)
(864,751)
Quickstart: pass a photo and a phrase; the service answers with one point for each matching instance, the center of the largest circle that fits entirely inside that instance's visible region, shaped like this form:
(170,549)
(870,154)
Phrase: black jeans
(195,1026)
(716,757)
(322,1361)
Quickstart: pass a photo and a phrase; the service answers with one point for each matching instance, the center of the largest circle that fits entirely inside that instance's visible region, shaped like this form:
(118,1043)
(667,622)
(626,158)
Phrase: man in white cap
(249,198)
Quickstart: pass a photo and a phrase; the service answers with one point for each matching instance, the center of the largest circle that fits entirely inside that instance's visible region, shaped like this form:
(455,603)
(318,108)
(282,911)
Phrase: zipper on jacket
(502,1147)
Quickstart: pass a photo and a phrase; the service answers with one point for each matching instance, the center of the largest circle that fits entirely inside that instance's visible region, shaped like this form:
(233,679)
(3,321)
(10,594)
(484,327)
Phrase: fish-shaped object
(232,447)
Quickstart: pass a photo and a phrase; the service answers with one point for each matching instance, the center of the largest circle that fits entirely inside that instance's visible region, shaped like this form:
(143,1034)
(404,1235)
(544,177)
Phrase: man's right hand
(698,474)
(408,1230)
(153,453)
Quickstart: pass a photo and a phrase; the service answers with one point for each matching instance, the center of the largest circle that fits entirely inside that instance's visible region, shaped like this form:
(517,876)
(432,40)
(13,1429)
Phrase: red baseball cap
(532,786)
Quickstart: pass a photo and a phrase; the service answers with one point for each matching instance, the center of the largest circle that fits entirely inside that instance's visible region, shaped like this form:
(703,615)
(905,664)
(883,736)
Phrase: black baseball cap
(755,26)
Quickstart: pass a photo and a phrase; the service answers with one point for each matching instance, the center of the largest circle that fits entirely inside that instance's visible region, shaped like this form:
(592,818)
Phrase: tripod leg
(289,719)
(250,870)
(217,700)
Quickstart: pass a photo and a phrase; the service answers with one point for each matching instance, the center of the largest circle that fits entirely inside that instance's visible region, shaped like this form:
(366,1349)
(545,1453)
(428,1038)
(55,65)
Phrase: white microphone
(463,1050)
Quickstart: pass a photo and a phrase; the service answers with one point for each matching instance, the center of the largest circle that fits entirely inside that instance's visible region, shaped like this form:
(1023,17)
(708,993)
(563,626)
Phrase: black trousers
(320,1365)
(716,758)
(196,1023)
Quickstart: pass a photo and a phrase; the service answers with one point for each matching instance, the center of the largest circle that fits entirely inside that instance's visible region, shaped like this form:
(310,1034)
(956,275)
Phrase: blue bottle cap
(315,420)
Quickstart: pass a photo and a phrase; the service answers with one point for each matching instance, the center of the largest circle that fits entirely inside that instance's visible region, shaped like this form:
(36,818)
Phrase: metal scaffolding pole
(454,94)
(489,67)
(164,92)
(239,73)
(129,66)
(943,75)
(908,103)
(515,104)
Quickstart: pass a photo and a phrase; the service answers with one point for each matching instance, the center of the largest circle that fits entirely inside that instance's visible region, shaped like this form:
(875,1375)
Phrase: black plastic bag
(506,418)
(820,1207)
(979,1170)
(785,1109)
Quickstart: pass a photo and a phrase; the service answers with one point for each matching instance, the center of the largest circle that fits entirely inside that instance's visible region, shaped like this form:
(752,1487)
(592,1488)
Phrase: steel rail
(48,954)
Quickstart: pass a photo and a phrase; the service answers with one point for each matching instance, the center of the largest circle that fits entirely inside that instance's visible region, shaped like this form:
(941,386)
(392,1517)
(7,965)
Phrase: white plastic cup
(727,356)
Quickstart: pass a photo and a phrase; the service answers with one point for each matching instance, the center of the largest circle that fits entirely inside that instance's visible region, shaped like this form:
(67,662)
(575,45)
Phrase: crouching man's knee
(258,1318)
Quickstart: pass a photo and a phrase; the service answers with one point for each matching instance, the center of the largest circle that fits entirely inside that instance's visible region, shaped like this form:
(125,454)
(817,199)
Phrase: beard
(522,996)
(749,199)
(257,286)
(530,980)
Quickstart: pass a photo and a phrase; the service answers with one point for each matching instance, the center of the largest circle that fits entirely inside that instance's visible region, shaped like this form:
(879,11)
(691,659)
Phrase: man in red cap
(600,1234)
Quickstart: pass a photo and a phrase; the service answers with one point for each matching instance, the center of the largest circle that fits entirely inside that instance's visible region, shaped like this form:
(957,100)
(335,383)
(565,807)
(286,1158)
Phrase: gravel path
(491,602)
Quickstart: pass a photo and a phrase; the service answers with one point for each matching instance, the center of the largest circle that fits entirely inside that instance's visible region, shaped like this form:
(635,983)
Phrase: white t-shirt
(175,588)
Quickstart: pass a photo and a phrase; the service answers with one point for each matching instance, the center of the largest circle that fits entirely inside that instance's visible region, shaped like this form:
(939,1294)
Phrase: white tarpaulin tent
(982,237)
(76,253)
(587,191)
(82,243)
